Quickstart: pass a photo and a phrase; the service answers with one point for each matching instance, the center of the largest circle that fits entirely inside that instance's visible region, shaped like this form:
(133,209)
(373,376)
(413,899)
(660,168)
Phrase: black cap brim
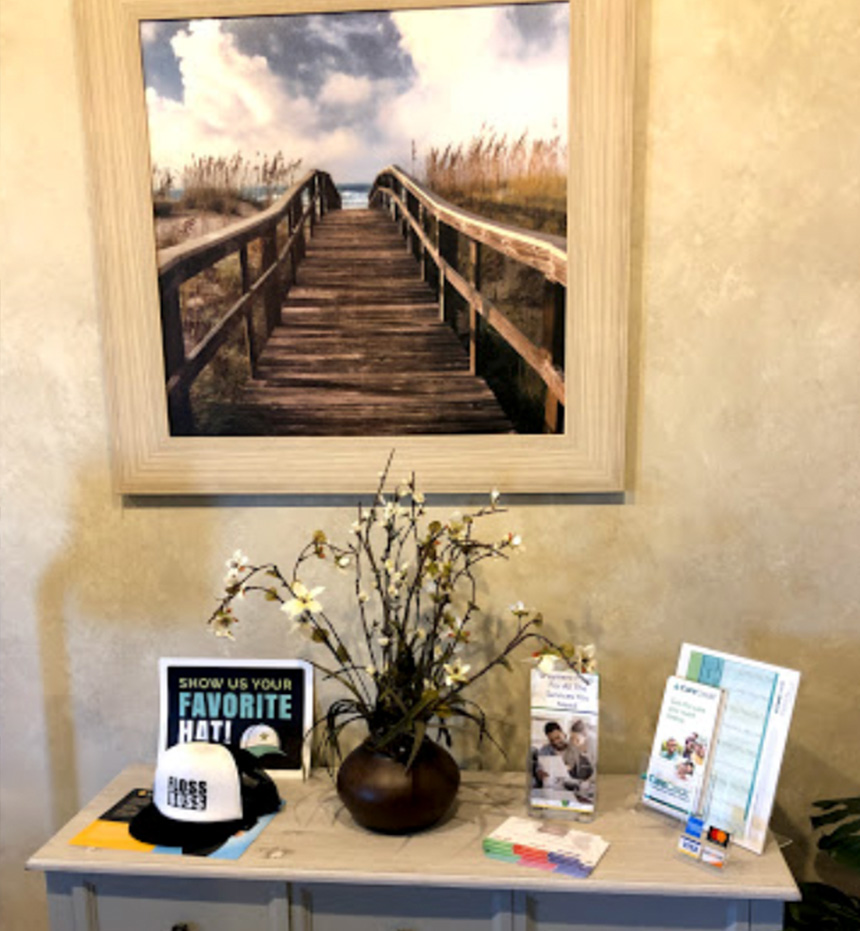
(150,826)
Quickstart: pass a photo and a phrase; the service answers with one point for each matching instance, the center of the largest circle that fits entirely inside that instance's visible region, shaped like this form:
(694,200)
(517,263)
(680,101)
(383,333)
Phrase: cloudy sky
(350,92)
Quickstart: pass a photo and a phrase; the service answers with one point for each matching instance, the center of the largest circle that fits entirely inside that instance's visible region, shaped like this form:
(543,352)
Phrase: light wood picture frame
(588,456)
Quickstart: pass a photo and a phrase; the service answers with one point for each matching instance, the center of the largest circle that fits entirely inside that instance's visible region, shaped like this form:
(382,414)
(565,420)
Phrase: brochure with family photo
(683,748)
(563,758)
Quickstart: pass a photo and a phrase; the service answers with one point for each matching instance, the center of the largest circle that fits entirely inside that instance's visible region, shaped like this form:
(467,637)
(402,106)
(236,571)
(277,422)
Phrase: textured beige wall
(742,529)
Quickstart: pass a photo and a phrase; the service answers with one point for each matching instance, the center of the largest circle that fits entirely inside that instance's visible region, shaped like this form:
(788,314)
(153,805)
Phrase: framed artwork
(327,231)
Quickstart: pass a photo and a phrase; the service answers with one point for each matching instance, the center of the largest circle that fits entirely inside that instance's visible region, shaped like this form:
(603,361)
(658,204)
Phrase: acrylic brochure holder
(717,750)
(563,743)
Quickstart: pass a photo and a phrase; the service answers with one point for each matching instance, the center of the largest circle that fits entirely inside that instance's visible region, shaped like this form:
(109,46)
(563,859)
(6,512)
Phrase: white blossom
(455,524)
(456,671)
(303,600)
(238,561)
(223,625)
(237,564)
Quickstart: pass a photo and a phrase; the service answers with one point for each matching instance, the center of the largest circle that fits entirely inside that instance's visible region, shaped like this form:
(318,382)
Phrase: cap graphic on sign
(203,794)
(261,740)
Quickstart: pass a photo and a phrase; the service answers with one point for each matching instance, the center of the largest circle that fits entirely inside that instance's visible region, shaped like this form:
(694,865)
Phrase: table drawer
(117,903)
(337,907)
(560,912)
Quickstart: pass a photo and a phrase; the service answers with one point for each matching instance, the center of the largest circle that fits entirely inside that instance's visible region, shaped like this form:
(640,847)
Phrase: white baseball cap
(203,794)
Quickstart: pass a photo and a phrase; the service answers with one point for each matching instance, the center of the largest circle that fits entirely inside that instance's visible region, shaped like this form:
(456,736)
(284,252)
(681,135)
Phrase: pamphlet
(263,706)
(683,747)
(753,733)
(550,846)
(110,830)
(563,763)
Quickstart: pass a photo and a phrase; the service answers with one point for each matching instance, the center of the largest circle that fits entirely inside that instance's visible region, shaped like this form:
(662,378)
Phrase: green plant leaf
(843,843)
(342,653)
(832,817)
(823,908)
(846,830)
(417,739)
(851,803)
(845,850)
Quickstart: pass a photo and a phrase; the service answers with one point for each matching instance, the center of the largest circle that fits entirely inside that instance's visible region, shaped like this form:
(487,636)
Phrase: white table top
(314,839)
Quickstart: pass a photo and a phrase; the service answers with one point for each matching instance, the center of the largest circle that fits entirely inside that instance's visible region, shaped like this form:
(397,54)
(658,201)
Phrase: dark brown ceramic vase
(381,794)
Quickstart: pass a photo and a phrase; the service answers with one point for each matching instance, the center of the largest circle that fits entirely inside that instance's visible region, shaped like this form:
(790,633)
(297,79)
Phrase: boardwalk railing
(433,227)
(295,212)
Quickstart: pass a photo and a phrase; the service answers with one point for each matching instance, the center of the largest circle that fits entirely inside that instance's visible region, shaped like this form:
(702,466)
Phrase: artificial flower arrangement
(415,595)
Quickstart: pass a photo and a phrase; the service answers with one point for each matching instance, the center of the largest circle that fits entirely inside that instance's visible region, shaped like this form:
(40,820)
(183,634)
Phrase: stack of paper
(554,846)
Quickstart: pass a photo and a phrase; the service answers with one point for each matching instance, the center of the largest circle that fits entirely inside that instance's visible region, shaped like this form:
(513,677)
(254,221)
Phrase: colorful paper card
(551,846)
(110,831)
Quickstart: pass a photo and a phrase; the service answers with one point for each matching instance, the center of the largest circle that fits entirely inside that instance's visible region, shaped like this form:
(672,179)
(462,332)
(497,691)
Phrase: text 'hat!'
(202,795)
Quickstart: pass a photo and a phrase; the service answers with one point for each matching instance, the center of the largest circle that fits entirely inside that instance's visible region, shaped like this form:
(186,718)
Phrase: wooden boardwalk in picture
(372,322)
(360,349)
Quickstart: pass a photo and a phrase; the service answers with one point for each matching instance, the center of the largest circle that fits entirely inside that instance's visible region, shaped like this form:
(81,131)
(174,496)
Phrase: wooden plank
(542,251)
(183,261)
(360,348)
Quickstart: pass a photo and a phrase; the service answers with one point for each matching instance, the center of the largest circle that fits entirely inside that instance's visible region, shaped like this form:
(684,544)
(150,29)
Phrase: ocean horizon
(354,196)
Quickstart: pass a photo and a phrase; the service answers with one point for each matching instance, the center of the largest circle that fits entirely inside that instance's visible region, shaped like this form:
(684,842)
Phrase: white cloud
(346,90)
(471,71)
(471,74)
(231,103)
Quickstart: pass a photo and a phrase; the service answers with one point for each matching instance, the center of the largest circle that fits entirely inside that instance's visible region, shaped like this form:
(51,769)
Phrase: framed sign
(263,706)
(310,253)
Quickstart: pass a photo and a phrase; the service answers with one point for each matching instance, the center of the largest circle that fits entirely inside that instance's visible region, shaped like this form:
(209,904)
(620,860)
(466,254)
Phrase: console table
(314,869)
